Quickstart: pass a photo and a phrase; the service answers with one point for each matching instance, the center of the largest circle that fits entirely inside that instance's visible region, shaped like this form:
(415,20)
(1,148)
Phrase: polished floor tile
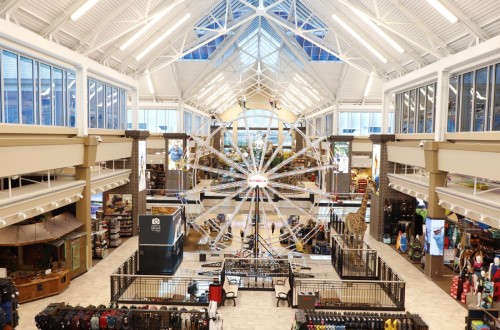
(257,309)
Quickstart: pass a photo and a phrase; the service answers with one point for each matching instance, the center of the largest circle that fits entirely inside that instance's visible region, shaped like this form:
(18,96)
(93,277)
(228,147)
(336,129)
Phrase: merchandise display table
(40,286)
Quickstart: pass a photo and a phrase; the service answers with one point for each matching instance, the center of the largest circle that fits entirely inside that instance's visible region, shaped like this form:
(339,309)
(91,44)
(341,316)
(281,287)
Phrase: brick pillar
(378,221)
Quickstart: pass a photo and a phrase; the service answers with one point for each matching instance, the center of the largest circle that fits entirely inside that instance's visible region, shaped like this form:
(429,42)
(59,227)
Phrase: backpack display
(415,251)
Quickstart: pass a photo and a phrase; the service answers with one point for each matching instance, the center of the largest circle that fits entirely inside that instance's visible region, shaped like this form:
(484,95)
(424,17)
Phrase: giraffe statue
(355,223)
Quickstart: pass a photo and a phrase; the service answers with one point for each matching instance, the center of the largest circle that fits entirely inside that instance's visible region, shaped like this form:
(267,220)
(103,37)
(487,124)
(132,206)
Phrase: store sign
(255,180)
(155,225)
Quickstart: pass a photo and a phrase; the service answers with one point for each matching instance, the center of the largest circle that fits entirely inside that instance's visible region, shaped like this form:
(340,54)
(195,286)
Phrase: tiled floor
(257,309)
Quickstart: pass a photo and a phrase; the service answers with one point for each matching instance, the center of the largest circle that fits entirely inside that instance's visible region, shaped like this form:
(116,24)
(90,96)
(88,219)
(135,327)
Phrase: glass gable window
(100,104)
(329,123)
(360,123)
(187,122)
(10,87)
(466,102)
(36,93)
(27,91)
(452,104)
(156,120)
(46,94)
(92,104)
(71,90)
(415,110)
(106,106)
(496,110)
(480,100)
(58,97)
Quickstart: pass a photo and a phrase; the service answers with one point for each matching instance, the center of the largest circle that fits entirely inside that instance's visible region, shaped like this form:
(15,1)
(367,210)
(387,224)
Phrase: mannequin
(478,263)
(478,289)
(494,267)
(495,278)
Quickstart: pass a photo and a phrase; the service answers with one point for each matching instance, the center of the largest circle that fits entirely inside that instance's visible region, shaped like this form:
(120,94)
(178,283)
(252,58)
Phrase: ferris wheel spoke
(217,205)
(249,145)
(240,153)
(300,171)
(223,156)
(218,171)
(236,211)
(249,218)
(296,155)
(300,209)
(277,150)
(266,141)
(280,215)
(269,238)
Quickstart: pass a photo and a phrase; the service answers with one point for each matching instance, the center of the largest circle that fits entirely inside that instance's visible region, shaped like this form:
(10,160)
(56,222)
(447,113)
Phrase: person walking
(272,228)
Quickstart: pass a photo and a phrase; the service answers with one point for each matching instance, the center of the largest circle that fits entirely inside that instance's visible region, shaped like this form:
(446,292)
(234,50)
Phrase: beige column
(83,205)
(434,264)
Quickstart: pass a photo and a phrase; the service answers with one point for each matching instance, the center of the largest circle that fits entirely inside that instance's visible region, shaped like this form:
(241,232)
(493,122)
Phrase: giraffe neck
(364,202)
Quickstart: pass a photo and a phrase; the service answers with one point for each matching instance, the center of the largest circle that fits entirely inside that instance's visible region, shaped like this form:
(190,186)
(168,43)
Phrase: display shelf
(100,243)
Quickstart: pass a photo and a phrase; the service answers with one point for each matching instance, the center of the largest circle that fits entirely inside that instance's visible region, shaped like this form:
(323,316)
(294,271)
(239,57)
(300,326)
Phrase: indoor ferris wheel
(253,175)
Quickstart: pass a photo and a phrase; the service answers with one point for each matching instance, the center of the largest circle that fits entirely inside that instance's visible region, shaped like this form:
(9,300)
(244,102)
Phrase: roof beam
(342,80)
(219,54)
(10,6)
(370,42)
(189,50)
(429,34)
(386,26)
(92,36)
(299,56)
(62,19)
(299,32)
(472,27)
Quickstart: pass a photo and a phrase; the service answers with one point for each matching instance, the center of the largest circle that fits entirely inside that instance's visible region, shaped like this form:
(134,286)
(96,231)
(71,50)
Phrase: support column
(336,119)
(137,184)
(135,108)
(83,205)
(386,102)
(442,97)
(82,118)
(434,264)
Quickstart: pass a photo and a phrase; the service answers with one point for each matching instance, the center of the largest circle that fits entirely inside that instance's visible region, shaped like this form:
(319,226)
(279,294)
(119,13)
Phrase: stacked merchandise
(465,289)
(100,244)
(310,320)
(9,300)
(479,325)
(60,316)
(456,287)
(114,233)
(487,294)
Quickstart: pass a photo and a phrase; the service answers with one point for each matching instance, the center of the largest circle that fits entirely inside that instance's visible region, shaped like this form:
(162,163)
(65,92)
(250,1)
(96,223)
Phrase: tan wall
(111,151)
(406,154)
(474,163)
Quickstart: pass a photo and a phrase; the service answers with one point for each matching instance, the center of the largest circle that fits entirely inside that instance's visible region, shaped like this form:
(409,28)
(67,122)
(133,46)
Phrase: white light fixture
(299,94)
(151,88)
(146,27)
(128,180)
(312,92)
(93,192)
(443,10)
(300,79)
(83,9)
(379,31)
(40,209)
(54,204)
(22,215)
(163,36)
(368,85)
(360,39)
(67,200)
(79,196)
(3,222)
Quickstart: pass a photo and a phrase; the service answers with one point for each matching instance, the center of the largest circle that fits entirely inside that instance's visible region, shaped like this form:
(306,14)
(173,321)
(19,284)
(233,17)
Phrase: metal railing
(360,264)
(346,294)
(127,287)
(336,222)
(166,290)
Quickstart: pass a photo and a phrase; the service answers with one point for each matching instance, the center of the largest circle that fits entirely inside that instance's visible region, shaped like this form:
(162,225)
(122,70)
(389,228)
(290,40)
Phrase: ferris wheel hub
(257,179)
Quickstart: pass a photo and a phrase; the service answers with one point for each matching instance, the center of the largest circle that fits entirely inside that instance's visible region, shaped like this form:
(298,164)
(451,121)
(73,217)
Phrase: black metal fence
(354,264)
(127,287)
(350,295)
(336,222)
(256,274)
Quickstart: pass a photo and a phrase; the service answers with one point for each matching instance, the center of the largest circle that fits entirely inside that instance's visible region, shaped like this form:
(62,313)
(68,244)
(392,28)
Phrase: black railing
(336,222)
(128,287)
(349,295)
(354,264)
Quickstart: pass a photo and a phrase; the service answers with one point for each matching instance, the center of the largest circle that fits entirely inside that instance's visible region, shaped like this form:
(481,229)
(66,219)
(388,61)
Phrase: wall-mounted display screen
(341,156)
(434,237)
(376,165)
(175,153)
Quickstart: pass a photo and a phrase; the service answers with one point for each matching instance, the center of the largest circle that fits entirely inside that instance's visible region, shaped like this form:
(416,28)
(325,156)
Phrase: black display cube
(161,242)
